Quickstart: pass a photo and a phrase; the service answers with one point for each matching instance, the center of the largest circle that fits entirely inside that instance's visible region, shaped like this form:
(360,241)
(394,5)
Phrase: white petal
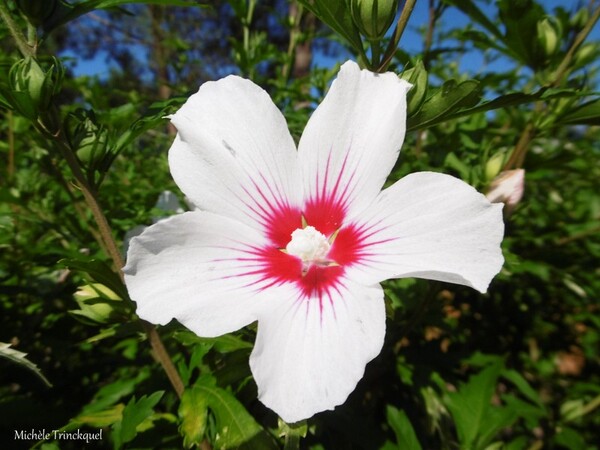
(194,267)
(353,138)
(434,226)
(233,154)
(310,354)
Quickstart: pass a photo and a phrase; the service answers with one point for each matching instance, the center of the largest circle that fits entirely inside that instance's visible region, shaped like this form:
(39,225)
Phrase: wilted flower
(300,240)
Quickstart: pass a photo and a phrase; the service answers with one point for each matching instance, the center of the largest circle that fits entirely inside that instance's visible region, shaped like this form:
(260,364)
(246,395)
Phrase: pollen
(309,245)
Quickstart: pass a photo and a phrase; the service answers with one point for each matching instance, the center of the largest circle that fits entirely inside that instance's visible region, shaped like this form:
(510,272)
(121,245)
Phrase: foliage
(84,161)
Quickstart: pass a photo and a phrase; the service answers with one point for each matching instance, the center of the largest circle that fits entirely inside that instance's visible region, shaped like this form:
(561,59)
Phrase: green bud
(494,165)
(417,76)
(580,18)
(28,77)
(87,137)
(97,302)
(373,17)
(548,33)
(586,53)
(37,11)
(32,88)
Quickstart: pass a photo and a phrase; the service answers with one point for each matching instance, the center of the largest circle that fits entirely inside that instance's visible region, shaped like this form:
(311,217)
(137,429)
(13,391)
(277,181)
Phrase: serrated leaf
(403,429)
(103,418)
(236,428)
(521,383)
(450,97)
(336,15)
(193,412)
(504,101)
(133,415)
(20,359)
(471,403)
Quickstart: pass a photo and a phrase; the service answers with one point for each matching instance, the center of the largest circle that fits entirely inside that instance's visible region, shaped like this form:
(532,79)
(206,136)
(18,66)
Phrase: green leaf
(19,358)
(133,415)
(521,383)
(493,421)
(336,15)
(520,20)
(225,344)
(571,439)
(405,433)
(100,272)
(193,412)
(504,101)
(471,404)
(101,419)
(586,114)
(236,428)
(448,99)
(67,12)
(471,9)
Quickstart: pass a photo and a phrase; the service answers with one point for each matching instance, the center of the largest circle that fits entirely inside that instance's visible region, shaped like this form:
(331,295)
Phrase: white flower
(316,295)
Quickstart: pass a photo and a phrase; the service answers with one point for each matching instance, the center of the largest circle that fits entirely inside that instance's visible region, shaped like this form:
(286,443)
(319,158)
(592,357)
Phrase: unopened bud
(27,76)
(586,53)
(494,165)
(548,33)
(92,143)
(32,87)
(373,17)
(507,188)
(95,301)
(580,18)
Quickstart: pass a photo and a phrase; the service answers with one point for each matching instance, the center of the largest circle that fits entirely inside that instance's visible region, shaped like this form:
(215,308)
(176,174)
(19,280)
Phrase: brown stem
(109,243)
(517,158)
(583,34)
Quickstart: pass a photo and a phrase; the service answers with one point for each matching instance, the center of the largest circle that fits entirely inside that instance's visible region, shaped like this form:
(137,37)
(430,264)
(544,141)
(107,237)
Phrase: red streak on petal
(282,222)
(278,268)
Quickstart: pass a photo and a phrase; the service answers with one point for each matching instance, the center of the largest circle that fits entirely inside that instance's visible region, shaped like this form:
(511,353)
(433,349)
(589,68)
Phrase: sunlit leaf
(20,359)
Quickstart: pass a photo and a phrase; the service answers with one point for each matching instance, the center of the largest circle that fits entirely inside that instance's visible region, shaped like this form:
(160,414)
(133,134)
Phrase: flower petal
(430,225)
(351,143)
(233,154)
(310,353)
(194,267)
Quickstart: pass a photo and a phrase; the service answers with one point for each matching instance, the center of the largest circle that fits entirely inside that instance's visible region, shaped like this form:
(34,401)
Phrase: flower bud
(87,137)
(548,33)
(32,88)
(507,188)
(580,18)
(95,302)
(373,17)
(586,53)
(27,77)
(494,165)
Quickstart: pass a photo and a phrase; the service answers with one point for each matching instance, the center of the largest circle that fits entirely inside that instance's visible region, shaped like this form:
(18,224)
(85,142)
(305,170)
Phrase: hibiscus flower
(299,240)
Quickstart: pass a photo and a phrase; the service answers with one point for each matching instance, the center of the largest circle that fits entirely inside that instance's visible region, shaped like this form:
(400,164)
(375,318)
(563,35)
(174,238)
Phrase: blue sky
(411,41)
